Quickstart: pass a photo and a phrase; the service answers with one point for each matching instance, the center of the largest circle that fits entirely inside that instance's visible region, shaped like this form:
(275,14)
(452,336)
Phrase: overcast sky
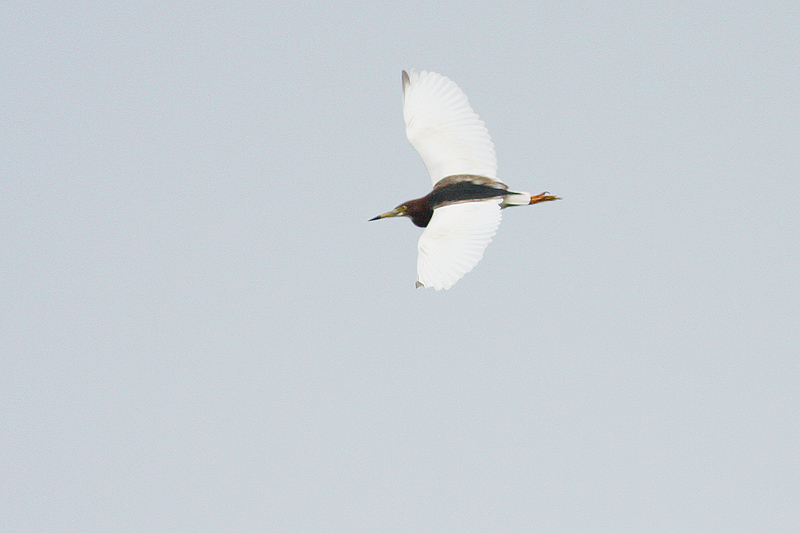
(199,329)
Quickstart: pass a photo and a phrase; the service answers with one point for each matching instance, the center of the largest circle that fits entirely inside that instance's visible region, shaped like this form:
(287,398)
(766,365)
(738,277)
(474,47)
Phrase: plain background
(201,331)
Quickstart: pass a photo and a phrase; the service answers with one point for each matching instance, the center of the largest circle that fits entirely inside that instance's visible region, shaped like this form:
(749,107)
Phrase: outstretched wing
(454,241)
(443,128)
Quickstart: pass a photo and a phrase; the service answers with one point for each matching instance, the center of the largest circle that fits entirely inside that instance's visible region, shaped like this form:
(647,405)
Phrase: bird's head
(398,211)
(419,211)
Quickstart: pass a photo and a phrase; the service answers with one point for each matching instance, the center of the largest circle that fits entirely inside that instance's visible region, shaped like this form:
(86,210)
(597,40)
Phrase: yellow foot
(544,197)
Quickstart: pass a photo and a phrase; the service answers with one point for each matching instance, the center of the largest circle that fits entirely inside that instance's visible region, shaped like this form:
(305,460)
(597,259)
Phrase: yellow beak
(398,212)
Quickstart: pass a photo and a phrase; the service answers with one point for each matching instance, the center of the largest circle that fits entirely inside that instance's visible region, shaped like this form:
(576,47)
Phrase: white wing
(454,241)
(444,129)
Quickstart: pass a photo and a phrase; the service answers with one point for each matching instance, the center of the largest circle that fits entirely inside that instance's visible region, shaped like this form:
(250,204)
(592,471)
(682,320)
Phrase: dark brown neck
(419,211)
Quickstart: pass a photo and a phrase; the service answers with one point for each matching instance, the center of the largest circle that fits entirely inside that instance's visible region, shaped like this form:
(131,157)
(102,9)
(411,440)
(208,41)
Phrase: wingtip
(406,81)
(417,285)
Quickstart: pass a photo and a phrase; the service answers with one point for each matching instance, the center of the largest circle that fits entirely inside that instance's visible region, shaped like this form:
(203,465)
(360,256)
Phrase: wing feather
(443,128)
(454,241)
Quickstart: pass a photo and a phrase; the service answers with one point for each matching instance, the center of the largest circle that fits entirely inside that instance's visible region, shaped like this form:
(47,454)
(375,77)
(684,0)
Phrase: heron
(462,213)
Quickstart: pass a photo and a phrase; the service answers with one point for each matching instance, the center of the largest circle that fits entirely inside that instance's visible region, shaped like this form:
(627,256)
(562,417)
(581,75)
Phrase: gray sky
(200,330)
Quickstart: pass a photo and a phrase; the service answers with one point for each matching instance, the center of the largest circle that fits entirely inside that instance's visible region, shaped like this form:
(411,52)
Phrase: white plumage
(451,139)
(441,126)
(462,214)
(454,241)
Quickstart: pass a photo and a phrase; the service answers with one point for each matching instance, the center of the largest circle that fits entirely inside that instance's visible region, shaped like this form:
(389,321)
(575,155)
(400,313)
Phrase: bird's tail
(526,198)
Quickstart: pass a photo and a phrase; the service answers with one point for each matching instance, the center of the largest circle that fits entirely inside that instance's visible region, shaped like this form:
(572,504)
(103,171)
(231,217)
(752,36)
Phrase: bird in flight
(462,213)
